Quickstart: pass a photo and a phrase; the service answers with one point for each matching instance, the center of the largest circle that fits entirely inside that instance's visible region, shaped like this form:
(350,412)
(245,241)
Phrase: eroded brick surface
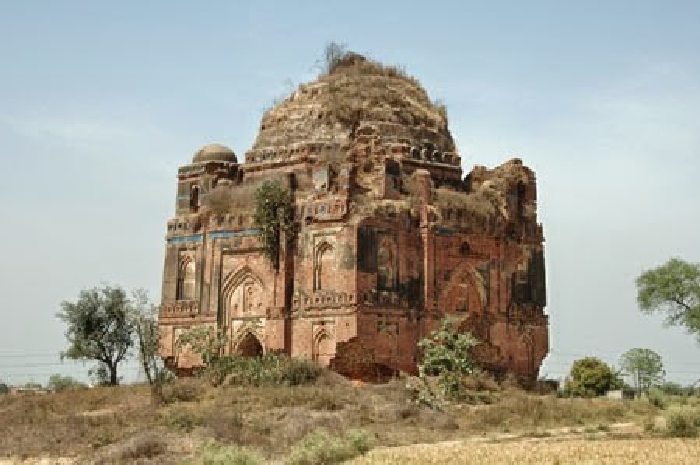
(390,237)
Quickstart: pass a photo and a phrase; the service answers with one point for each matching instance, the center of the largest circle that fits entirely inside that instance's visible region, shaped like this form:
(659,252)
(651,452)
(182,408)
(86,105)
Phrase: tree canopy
(673,289)
(100,328)
(644,367)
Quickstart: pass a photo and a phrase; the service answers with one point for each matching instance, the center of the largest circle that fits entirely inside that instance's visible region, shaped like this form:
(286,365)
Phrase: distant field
(573,451)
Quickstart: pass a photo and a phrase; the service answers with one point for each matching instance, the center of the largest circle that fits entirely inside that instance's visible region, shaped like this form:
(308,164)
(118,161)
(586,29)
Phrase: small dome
(214,152)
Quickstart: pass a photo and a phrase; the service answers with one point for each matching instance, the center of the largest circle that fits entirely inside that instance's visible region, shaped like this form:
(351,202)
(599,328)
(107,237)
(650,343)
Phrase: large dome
(356,97)
(214,152)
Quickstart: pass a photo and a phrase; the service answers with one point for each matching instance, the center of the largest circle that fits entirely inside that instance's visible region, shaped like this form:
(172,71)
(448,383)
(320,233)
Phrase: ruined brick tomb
(389,237)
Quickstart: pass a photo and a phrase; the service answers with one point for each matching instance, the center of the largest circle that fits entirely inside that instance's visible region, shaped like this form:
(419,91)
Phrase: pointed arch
(186,278)
(249,345)
(323,348)
(235,278)
(321,254)
(242,293)
(466,290)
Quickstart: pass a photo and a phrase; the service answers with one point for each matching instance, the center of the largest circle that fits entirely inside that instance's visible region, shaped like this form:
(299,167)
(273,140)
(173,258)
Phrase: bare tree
(145,321)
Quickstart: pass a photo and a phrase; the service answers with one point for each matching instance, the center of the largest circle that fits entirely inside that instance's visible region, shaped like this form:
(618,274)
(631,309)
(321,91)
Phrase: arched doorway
(250,346)
(324,349)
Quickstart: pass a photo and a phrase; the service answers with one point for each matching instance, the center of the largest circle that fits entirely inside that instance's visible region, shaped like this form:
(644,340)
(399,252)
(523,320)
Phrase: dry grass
(120,424)
(72,422)
(235,198)
(483,203)
(358,90)
(603,452)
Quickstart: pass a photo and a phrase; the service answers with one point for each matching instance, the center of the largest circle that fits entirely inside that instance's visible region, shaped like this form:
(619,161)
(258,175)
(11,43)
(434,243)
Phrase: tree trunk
(113,379)
(145,360)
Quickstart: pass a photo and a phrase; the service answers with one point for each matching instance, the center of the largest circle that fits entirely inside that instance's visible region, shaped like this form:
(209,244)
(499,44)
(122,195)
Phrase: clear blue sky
(101,101)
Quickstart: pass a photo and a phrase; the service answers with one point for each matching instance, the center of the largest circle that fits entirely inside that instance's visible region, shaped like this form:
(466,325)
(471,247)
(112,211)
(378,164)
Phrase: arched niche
(243,294)
(186,279)
(323,261)
(465,292)
(323,348)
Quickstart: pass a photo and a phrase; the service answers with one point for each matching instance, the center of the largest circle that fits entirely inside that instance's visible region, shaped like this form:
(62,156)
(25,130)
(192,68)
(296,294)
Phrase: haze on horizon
(100,103)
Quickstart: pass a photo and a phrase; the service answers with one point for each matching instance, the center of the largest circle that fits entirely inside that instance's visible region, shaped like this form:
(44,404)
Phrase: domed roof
(214,152)
(357,97)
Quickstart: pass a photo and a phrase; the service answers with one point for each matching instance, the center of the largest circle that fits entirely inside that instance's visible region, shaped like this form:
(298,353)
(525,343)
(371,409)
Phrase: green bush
(268,370)
(320,448)
(296,371)
(657,398)
(682,422)
(447,357)
(591,377)
(4,389)
(212,453)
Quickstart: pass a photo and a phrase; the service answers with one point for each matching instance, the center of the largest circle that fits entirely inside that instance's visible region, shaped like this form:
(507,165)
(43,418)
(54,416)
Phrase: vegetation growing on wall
(274,216)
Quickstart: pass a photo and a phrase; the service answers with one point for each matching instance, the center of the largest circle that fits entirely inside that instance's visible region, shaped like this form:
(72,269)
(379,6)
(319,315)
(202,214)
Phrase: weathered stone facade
(389,236)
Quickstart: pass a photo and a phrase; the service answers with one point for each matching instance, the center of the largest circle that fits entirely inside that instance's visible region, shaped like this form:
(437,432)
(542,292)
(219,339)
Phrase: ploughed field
(543,452)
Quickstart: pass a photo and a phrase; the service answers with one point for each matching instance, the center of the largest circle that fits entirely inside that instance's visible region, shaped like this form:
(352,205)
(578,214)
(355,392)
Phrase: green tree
(673,289)
(447,355)
(58,383)
(273,215)
(644,367)
(590,377)
(4,388)
(99,328)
